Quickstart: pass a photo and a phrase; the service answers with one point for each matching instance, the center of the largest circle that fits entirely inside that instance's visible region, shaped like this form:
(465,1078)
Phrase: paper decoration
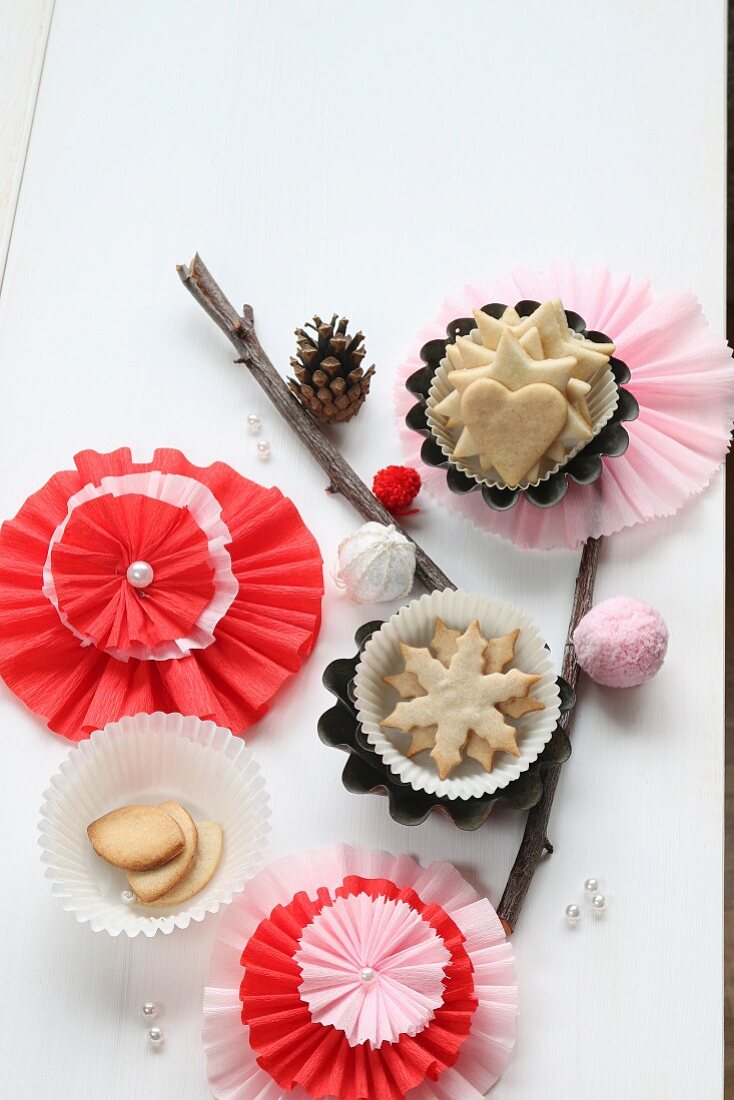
(373,968)
(128,587)
(682,378)
(356,975)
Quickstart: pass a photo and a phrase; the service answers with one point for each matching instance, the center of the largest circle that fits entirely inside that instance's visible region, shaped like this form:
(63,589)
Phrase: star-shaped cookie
(558,340)
(514,367)
(492,329)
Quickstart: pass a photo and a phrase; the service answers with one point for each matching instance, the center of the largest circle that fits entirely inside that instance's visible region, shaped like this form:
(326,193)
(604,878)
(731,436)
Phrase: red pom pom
(397,487)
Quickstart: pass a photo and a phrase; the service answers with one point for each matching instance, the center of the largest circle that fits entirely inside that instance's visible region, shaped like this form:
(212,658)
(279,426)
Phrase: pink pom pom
(621,642)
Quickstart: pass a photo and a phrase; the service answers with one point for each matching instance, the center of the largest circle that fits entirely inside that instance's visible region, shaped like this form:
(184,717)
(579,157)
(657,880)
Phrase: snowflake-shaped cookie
(460,699)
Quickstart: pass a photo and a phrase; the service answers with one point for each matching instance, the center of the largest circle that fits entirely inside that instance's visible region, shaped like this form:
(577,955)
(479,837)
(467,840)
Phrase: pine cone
(329,377)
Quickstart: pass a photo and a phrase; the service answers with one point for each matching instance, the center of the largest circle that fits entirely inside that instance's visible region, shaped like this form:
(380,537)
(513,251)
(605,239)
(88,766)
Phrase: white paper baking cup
(150,758)
(602,401)
(414,624)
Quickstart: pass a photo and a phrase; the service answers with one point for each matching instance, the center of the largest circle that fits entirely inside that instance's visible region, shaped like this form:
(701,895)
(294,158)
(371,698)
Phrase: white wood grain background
(369,159)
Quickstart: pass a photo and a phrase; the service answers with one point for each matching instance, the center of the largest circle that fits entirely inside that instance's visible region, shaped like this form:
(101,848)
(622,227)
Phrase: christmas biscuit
(459,699)
(136,837)
(152,884)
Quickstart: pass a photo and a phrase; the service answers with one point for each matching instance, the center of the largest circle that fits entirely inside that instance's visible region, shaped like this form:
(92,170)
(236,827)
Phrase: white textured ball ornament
(376,564)
(573,914)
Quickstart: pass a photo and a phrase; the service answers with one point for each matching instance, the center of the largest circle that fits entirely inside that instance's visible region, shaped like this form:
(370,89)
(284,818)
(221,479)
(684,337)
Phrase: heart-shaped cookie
(513,429)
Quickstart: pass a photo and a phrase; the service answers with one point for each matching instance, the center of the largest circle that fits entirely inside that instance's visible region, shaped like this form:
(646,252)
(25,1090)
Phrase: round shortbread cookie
(207,860)
(136,837)
(152,884)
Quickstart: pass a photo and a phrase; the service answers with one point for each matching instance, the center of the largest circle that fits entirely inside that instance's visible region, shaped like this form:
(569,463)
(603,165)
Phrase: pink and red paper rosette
(682,379)
(232,611)
(356,975)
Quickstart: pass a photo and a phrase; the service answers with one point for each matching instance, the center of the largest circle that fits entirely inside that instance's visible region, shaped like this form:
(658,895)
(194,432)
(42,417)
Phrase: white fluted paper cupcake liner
(602,401)
(414,624)
(150,758)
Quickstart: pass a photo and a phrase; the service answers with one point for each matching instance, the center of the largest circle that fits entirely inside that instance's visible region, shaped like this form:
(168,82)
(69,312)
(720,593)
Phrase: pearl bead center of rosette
(140,574)
(139,566)
(372,968)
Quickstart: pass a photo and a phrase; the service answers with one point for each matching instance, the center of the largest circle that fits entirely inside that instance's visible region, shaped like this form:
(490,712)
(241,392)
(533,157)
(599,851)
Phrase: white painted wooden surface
(24,26)
(371,159)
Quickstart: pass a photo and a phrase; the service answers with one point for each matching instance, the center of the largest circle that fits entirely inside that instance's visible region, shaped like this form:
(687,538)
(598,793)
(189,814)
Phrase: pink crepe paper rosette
(404,984)
(682,379)
(231,610)
(355,974)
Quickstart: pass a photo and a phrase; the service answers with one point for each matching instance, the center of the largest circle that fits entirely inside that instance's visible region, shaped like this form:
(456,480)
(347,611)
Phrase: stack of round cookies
(167,857)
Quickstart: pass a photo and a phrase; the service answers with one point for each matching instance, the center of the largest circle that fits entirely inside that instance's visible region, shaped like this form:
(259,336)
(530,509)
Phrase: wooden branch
(240,330)
(535,840)
(342,478)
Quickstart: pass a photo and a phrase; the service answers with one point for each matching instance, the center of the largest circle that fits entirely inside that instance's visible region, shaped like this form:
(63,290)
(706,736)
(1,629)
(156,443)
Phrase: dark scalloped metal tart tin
(585,468)
(365,773)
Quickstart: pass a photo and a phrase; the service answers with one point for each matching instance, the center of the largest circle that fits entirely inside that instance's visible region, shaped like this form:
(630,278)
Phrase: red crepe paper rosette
(357,975)
(132,587)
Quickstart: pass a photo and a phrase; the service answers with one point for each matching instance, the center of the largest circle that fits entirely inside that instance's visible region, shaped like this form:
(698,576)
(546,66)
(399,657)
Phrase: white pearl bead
(150,1010)
(263,449)
(367,975)
(140,574)
(155,1036)
(127,897)
(253,423)
(598,903)
(573,914)
(591,886)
